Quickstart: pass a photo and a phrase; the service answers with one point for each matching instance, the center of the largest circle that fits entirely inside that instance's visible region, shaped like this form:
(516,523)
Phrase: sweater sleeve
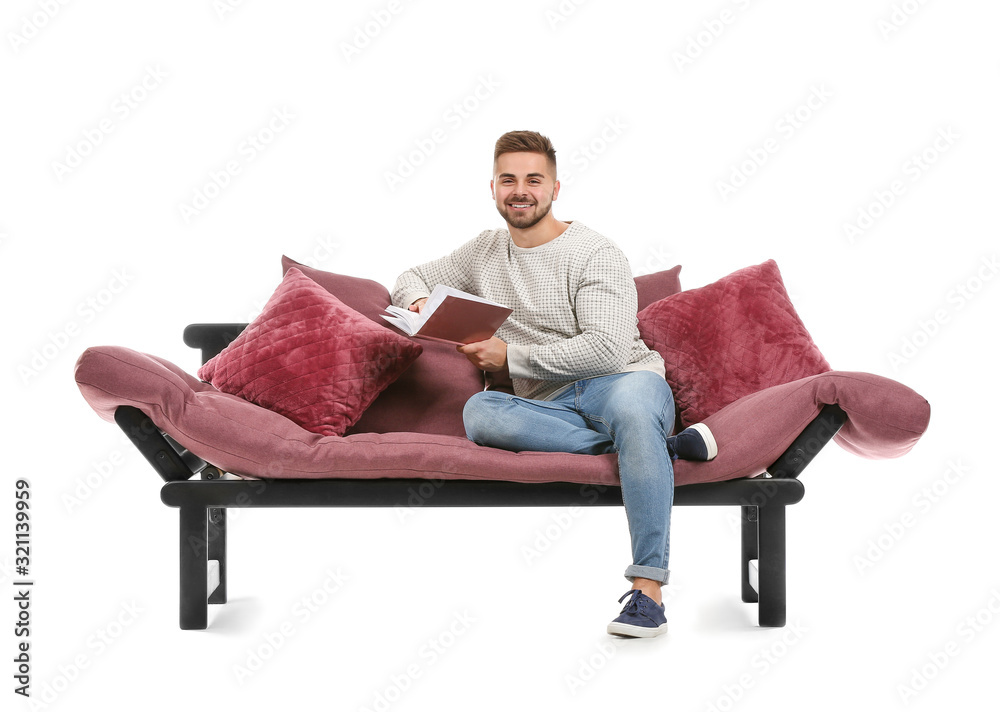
(453,270)
(605,305)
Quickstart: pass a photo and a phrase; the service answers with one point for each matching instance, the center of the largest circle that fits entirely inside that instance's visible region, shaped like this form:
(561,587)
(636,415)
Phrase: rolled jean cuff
(649,572)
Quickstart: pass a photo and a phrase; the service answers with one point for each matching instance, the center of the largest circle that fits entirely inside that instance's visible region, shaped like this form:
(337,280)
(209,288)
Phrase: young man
(583,380)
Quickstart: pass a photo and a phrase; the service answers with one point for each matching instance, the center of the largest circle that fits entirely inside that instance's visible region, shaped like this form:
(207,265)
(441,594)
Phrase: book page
(406,320)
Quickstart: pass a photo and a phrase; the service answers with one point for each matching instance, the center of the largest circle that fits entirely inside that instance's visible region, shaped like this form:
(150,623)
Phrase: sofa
(320,403)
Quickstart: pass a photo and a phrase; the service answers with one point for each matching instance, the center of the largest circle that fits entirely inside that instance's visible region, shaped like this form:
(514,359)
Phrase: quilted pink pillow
(311,358)
(729,339)
(430,395)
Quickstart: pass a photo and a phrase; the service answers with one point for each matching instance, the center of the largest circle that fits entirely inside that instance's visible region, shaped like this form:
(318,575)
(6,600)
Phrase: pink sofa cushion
(311,358)
(885,419)
(729,339)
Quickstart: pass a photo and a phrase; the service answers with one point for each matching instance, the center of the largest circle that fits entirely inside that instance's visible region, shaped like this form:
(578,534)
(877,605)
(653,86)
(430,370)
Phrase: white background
(651,107)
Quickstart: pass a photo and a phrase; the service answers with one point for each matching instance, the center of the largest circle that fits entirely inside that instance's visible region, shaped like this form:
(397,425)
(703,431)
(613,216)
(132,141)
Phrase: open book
(450,315)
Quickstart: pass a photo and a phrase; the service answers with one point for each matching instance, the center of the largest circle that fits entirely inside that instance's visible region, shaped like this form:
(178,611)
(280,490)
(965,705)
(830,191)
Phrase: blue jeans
(629,413)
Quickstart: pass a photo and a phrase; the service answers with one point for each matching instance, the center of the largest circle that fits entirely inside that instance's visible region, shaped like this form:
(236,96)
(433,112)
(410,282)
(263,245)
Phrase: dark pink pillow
(430,395)
(729,339)
(365,296)
(311,358)
(653,287)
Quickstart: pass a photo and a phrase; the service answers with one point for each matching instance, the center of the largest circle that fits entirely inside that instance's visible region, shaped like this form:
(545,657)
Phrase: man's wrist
(407,300)
(518,361)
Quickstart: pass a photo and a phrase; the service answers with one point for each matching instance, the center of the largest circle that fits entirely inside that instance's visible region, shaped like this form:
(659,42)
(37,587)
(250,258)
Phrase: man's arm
(605,307)
(453,270)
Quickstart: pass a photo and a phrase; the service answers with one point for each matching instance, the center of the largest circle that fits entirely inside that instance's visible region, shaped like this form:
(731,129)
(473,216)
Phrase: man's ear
(555,191)
(492,193)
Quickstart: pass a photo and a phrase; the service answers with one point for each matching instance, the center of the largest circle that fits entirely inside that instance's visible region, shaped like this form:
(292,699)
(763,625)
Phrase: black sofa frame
(203,502)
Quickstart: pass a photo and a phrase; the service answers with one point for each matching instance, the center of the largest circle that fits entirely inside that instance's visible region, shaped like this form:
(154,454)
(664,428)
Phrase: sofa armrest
(809,442)
(211,338)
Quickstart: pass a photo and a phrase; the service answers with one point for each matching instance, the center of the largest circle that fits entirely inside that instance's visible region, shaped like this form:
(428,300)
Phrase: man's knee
(475,414)
(642,396)
(644,387)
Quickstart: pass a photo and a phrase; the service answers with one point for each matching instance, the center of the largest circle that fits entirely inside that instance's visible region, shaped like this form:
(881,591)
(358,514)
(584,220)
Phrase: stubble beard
(526,220)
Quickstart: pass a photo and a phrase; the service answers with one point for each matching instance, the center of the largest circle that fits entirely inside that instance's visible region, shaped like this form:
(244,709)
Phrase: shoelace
(635,604)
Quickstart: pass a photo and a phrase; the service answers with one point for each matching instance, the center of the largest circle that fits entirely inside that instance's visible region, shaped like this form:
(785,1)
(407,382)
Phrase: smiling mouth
(520,206)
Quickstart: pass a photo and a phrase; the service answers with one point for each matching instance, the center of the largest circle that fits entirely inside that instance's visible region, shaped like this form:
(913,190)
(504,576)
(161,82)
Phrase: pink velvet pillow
(365,296)
(430,395)
(311,358)
(729,339)
(653,287)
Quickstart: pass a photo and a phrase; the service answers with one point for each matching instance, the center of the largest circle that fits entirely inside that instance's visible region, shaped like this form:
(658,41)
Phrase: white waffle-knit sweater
(574,303)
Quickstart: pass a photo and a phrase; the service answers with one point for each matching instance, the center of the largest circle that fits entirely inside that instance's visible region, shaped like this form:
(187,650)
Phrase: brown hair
(530,141)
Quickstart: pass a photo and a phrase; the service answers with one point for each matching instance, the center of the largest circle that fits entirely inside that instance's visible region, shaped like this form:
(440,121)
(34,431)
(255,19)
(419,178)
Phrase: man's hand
(418,305)
(489,355)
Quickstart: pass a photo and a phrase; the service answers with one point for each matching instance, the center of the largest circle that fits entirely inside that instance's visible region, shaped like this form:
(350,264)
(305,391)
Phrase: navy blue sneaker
(694,443)
(641,617)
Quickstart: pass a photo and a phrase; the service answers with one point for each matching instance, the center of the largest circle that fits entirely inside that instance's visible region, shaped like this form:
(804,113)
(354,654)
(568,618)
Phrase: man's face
(524,188)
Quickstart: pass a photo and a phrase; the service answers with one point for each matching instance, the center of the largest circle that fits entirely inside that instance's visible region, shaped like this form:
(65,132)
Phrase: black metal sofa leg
(748,550)
(217,551)
(771,566)
(194,568)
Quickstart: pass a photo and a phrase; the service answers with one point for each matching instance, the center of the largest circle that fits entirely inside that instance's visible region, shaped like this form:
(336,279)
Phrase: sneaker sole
(636,631)
(709,439)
